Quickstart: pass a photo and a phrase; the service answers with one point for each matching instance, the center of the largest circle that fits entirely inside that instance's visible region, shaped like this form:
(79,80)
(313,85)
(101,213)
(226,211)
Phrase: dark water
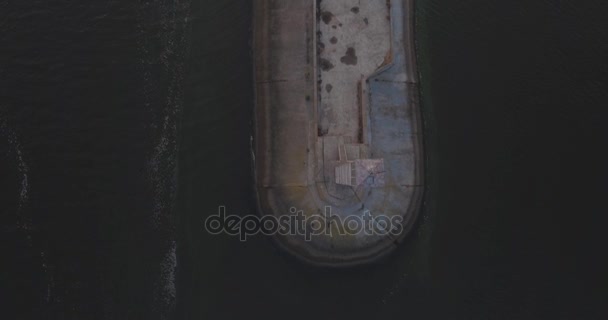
(90,100)
(123,124)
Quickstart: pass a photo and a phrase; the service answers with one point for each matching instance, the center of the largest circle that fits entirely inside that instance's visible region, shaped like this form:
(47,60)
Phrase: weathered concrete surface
(342,74)
(354,42)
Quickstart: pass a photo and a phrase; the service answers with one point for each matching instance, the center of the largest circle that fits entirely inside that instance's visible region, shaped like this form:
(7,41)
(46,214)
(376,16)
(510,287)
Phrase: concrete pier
(337,121)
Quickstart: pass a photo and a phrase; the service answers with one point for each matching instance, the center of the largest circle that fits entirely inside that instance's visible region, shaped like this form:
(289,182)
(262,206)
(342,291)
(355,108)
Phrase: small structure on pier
(359,171)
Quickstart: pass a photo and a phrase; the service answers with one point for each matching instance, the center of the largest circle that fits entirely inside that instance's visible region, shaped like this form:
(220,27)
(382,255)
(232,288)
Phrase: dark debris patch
(350,58)
(326,65)
(327,16)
